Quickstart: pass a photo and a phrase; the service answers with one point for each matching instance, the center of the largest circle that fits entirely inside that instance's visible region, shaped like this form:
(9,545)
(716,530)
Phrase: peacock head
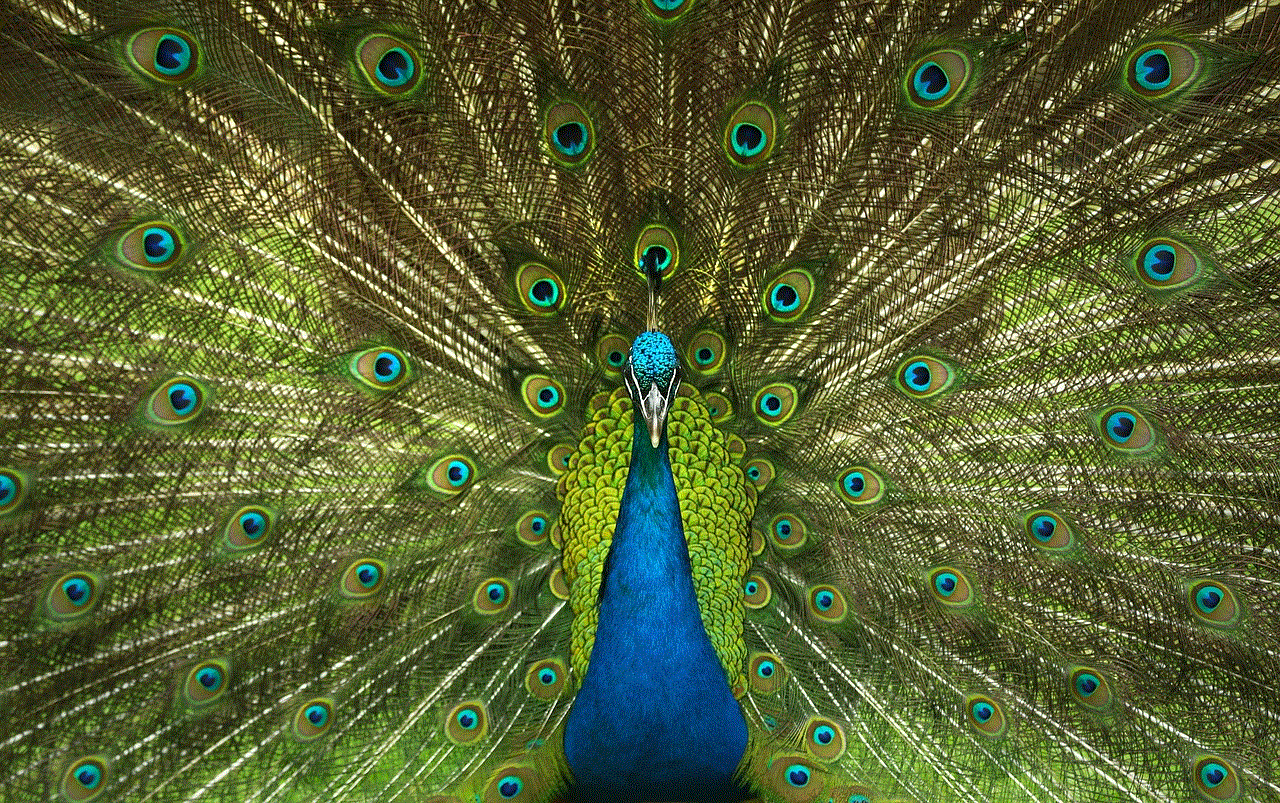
(652,374)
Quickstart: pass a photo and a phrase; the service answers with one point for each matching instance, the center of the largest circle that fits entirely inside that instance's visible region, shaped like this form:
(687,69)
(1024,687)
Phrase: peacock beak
(653,401)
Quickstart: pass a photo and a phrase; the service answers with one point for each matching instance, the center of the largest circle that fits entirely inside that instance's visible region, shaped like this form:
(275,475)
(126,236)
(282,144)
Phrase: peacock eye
(860,486)
(756,592)
(313,719)
(167,55)
(1161,69)
(150,247)
(540,290)
(467,722)
(379,369)
(750,134)
(205,683)
(706,352)
(924,377)
(787,297)
(542,395)
(1164,265)
(388,64)
(789,532)
(12,490)
(545,679)
(827,603)
(937,79)
(1125,429)
(568,134)
(986,716)
(492,595)
(1216,779)
(178,401)
(950,586)
(85,779)
(775,403)
(1047,530)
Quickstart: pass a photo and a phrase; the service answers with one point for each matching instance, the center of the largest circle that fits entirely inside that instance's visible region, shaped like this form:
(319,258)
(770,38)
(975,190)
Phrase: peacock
(664,400)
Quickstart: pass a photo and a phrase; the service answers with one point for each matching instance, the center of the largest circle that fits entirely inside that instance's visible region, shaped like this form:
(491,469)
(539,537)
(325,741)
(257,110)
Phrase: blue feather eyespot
(379,369)
(1162,265)
(1161,69)
(759,472)
(706,352)
(512,782)
(775,403)
(1126,430)
(1089,688)
(936,80)
(860,485)
(533,527)
(389,65)
(176,402)
(492,595)
(568,134)
(794,778)
(363,578)
(824,739)
(560,457)
(923,377)
(985,715)
(657,251)
(167,55)
(750,135)
(718,407)
(449,475)
(72,595)
(546,679)
(542,395)
(611,354)
(1215,779)
(827,603)
(798,775)
(313,719)
(539,289)
(247,528)
(13,490)
(150,247)
(766,674)
(667,10)
(1048,531)
(1214,603)
(467,722)
(789,532)
(950,587)
(206,682)
(787,297)
(756,592)
(85,779)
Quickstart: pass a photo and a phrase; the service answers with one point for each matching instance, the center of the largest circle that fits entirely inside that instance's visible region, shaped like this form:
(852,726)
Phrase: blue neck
(654,719)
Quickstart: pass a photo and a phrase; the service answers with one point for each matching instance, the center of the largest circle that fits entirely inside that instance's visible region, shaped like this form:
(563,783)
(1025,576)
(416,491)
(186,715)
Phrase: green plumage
(304,308)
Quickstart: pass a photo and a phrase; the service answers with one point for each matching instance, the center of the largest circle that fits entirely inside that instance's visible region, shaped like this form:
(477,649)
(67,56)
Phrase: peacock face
(652,374)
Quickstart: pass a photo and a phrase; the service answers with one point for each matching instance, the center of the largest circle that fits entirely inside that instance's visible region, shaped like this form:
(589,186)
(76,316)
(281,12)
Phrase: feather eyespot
(1048,531)
(467,722)
(167,55)
(540,290)
(794,779)
(861,485)
(313,719)
(923,377)
(985,715)
(824,739)
(512,783)
(85,779)
(657,251)
(787,297)
(492,595)
(936,80)
(1163,264)
(449,475)
(759,472)
(1126,430)
(388,64)
(706,352)
(766,674)
(13,490)
(1213,603)
(756,592)
(611,354)
(72,596)
(1089,688)
(150,247)
(363,578)
(206,682)
(1215,779)
(533,527)
(789,532)
(247,528)
(1160,69)
(542,395)
(750,135)
(718,407)
(178,401)
(950,587)
(379,369)
(568,134)
(546,679)
(667,10)
(827,603)
(775,403)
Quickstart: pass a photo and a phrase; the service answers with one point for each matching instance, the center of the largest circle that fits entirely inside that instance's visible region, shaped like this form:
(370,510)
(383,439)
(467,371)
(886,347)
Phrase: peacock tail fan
(554,400)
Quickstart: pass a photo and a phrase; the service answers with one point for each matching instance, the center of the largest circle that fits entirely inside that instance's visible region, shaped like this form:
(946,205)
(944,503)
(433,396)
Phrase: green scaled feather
(308,310)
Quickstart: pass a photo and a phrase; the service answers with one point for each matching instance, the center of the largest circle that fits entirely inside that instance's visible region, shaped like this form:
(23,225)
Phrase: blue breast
(654,719)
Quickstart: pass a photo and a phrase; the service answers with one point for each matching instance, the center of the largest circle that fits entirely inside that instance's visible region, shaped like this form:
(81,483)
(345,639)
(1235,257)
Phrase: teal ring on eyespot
(172,56)
(748,139)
